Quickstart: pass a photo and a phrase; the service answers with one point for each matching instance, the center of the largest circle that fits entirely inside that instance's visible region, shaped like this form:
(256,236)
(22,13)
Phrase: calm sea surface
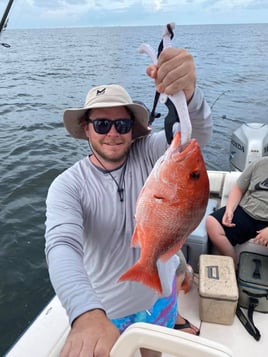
(46,71)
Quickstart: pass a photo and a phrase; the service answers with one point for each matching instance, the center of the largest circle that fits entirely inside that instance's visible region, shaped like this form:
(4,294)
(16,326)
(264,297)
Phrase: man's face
(112,147)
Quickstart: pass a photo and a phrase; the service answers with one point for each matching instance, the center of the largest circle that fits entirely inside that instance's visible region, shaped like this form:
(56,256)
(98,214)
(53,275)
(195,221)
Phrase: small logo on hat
(100,92)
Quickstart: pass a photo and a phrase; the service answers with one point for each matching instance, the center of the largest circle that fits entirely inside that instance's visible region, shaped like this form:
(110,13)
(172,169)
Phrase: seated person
(245,214)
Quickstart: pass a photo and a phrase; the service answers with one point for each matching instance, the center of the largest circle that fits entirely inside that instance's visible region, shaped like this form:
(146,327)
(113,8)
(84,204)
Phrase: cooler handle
(213,272)
(256,273)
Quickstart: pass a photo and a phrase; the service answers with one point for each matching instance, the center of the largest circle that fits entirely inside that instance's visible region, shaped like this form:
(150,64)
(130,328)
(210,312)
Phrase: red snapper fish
(169,207)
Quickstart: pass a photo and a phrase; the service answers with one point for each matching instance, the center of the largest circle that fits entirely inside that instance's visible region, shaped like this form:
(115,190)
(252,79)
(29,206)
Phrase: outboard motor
(248,143)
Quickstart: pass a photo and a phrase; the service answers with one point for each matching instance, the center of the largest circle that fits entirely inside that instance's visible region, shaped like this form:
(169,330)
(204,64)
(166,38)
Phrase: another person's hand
(262,237)
(175,71)
(228,218)
(92,334)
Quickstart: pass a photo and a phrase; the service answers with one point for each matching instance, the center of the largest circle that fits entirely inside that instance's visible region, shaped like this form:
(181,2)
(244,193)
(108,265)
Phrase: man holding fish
(91,211)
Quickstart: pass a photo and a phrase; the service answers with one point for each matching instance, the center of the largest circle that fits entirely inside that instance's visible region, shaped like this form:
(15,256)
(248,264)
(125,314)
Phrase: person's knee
(213,225)
(210,220)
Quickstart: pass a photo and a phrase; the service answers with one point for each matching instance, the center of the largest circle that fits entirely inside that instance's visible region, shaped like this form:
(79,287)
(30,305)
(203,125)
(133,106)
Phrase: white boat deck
(234,336)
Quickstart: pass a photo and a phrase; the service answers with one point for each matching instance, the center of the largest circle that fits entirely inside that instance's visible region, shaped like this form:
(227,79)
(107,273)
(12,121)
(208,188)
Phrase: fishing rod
(215,101)
(5,15)
(3,22)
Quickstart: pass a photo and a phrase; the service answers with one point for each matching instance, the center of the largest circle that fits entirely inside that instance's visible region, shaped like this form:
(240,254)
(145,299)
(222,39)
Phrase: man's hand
(228,218)
(92,334)
(175,71)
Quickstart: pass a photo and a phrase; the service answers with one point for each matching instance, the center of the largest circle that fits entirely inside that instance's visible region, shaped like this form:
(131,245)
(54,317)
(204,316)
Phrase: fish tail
(149,278)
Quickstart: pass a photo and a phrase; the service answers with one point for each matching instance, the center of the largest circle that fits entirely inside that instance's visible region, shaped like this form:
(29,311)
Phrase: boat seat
(216,180)
(229,181)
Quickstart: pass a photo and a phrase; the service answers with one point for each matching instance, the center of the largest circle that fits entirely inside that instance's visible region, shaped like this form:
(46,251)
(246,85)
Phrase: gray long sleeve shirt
(89,230)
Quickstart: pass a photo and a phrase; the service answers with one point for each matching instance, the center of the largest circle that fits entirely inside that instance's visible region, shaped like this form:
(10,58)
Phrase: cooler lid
(217,278)
(253,268)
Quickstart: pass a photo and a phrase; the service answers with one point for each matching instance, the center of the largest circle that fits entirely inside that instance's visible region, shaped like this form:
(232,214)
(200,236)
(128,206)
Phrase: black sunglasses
(103,126)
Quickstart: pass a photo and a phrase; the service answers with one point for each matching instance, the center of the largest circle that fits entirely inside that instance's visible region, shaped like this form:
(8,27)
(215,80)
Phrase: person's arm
(201,118)
(91,331)
(69,278)
(233,200)
(64,248)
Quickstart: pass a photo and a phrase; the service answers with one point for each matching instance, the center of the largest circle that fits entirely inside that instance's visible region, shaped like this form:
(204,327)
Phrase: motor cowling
(248,143)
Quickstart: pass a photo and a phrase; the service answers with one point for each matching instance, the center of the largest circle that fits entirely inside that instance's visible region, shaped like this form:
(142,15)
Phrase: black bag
(253,289)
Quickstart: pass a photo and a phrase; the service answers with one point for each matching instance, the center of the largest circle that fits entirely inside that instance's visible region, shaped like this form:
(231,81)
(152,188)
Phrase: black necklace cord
(121,184)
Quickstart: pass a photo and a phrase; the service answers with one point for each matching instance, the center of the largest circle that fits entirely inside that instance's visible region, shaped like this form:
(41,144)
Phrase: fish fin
(135,241)
(171,252)
(149,278)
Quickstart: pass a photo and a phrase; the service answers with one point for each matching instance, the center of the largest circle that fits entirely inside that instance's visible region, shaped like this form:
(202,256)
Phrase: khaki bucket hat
(106,96)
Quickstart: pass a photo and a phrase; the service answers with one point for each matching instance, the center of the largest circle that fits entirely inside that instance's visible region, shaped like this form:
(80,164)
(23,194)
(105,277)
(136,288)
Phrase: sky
(90,13)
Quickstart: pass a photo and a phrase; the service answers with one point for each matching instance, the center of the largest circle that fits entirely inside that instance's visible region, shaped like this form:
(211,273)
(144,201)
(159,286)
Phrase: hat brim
(73,120)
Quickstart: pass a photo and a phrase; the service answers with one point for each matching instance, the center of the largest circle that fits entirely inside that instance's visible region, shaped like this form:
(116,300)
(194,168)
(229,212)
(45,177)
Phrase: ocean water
(47,70)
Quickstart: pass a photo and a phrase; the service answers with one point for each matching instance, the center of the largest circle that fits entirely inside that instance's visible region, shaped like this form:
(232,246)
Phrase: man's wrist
(97,312)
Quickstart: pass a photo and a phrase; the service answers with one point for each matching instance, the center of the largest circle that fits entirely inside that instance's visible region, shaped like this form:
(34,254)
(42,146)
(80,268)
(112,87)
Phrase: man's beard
(109,158)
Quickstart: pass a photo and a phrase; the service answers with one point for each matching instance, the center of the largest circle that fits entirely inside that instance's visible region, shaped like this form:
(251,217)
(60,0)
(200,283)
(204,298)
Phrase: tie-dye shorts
(164,313)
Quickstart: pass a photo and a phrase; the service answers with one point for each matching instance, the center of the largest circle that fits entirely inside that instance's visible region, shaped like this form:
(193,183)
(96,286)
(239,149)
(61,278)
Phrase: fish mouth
(184,146)
(184,151)
(188,147)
